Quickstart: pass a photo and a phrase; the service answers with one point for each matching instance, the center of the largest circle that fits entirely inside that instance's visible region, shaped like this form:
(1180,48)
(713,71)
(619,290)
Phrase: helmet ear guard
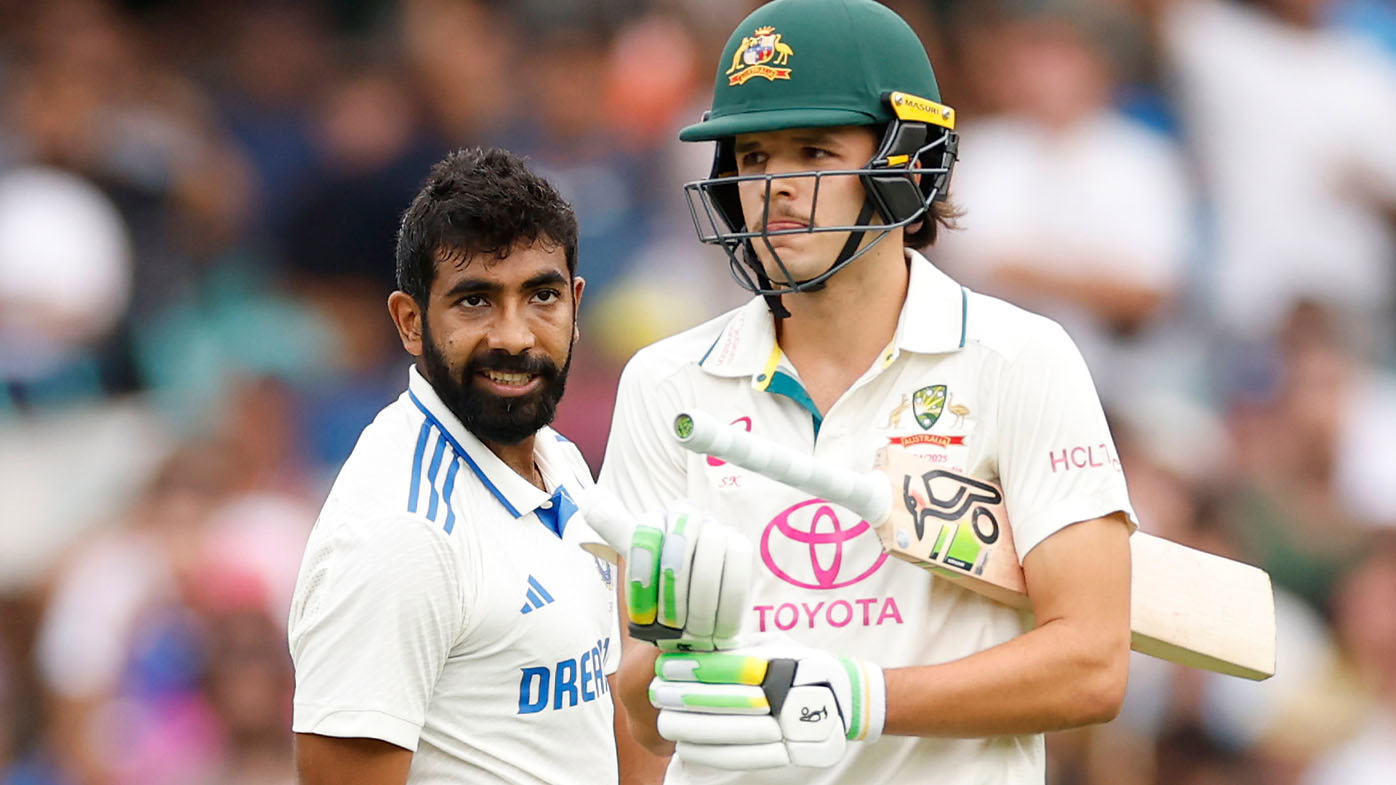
(910,147)
(726,199)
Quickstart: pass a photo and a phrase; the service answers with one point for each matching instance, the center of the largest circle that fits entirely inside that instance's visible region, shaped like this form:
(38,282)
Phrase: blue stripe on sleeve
(450,486)
(431,479)
(417,466)
(463,454)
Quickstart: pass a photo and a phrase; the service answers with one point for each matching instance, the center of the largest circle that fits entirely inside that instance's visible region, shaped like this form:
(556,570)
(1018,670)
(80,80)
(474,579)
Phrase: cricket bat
(1187,606)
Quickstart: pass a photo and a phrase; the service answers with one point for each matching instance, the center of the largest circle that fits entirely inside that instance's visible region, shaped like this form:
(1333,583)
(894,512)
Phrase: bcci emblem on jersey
(927,403)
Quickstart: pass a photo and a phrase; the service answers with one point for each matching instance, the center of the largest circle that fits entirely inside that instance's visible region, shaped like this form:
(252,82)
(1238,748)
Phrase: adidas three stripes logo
(536,596)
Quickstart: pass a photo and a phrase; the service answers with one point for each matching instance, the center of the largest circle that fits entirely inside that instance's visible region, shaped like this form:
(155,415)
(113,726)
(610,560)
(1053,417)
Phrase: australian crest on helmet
(755,52)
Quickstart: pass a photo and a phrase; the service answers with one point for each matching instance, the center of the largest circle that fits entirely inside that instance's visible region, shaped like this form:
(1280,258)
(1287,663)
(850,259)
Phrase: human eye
(818,153)
(546,296)
(474,301)
(753,159)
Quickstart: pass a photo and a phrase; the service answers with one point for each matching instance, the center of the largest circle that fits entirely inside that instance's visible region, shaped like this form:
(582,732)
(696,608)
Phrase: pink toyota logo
(836,556)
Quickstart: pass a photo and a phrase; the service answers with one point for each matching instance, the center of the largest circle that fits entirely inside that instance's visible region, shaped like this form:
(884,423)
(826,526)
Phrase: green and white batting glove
(688,580)
(767,707)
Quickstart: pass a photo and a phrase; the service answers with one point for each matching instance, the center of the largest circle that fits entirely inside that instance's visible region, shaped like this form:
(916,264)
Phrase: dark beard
(492,418)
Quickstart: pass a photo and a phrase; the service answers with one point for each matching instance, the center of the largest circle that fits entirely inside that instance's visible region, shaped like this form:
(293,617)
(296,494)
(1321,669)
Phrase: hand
(767,707)
(688,581)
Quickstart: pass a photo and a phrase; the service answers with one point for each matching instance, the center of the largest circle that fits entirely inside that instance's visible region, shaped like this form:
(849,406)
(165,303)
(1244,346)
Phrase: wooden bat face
(953,525)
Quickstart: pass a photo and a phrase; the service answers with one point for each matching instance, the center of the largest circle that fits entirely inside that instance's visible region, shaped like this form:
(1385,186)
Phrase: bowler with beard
(446,626)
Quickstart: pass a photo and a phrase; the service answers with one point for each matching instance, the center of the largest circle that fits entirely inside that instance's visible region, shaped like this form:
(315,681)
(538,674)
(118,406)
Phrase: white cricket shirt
(444,606)
(968,381)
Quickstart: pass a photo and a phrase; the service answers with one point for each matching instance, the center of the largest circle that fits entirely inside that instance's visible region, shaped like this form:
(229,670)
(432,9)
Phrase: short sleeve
(644,467)
(377,609)
(1057,459)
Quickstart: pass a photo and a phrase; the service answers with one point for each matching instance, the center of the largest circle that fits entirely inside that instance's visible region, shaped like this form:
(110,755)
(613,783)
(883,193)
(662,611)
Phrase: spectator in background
(88,97)
(469,91)
(275,57)
(1367,629)
(1314,455)
(373,150)
(1070,208)
(1291,124)
(116,651)
(247,683)
(570,140)
(122,649)
(65,282)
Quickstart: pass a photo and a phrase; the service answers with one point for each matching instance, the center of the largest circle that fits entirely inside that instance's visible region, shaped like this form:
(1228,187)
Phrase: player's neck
(833,335)
(519,457)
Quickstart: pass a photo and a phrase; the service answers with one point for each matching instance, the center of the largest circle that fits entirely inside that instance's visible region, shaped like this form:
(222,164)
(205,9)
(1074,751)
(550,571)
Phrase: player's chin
(513,419)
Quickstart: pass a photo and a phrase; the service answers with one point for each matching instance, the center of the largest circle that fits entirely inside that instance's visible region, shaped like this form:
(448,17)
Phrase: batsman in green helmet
(833,154)
(871,74)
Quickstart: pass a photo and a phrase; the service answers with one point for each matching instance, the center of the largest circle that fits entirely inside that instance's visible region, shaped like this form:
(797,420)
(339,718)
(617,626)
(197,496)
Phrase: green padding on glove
(712,668)
(642,572)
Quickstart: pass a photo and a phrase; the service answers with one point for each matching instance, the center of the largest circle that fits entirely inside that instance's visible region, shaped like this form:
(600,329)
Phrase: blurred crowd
(198,202)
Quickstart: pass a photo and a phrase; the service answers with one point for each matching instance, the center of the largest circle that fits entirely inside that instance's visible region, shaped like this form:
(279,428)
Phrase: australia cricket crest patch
(758,55)
(927,404)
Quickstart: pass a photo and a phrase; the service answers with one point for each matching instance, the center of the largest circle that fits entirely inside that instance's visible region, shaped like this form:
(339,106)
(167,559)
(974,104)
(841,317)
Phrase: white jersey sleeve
(1056,458)
(644,467)
(379,605)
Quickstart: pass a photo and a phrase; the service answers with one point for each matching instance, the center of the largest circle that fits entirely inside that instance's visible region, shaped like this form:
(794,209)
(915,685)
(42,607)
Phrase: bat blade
(954,526)
(1202,610)
(1187,606)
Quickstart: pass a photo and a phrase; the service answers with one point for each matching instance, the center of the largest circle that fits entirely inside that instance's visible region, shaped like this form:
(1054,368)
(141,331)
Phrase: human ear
(407,317)
(578,284)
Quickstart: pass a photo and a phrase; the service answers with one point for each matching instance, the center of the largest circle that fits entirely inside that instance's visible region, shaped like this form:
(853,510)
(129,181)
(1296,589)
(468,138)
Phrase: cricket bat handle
(866,493)
(605,515)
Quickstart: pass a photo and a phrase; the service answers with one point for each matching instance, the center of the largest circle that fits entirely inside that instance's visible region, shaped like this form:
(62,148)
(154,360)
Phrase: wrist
(868,714)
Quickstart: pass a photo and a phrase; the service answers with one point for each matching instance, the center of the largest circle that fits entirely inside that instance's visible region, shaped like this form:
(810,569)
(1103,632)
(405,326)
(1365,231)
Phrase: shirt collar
(745,344)
(519,496)
(935,314)
(932,321)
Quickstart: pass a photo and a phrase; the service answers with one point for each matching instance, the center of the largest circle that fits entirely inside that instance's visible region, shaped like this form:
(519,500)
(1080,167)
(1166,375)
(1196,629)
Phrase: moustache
(535,364)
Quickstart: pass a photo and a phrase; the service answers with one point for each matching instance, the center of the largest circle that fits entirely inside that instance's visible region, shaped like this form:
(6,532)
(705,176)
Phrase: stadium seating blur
(198,204)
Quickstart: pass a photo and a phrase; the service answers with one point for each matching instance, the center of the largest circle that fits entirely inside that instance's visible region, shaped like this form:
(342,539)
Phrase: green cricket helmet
(819,64)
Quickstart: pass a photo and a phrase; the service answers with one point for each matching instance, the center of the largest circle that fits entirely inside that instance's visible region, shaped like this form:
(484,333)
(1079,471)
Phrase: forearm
(633,689)
(638,766)
(1049,678)
(1069,670)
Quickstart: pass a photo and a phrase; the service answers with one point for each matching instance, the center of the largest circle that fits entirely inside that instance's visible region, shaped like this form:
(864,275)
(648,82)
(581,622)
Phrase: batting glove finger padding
(688,580)
(734,757)
(761,708)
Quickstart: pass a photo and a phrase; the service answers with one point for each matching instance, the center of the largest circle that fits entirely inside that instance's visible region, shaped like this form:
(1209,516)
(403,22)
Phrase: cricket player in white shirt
(833,155)
(446,627)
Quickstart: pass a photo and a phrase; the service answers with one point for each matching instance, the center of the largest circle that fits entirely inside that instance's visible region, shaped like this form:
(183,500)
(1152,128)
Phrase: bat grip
(864,493)
(605,515)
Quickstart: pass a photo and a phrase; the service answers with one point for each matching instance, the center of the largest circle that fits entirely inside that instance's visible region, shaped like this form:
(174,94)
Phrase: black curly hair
(479,202)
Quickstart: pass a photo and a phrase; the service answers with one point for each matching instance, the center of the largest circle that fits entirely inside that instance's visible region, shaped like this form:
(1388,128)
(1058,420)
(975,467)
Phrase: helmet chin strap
(850,246)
